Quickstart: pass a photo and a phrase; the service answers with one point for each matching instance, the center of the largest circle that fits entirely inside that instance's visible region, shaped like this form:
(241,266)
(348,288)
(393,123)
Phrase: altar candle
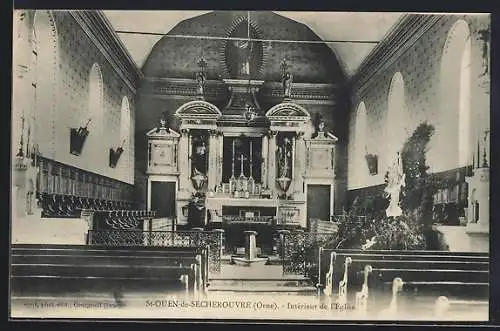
(232,162)
(251,154)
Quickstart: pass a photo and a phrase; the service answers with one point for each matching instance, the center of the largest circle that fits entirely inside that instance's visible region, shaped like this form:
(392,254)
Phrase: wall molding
(404,35)
(180,88)
(99,30)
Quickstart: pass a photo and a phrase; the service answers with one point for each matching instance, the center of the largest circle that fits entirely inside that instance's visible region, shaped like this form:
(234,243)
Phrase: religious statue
(284,164)
(199,157)
(163,123)
(395,181)
(244,50)
(199,163)
(286,79)
(196,209)
(287,84)
(201,77)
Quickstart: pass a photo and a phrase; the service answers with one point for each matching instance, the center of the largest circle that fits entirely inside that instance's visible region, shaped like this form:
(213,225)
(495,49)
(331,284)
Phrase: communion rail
(211,240)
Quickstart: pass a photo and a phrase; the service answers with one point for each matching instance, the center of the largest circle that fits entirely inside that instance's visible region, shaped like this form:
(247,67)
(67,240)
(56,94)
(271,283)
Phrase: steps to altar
(261,279)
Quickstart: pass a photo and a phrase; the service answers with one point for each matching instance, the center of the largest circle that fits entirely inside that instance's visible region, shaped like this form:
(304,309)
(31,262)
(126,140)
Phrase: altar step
(282,286)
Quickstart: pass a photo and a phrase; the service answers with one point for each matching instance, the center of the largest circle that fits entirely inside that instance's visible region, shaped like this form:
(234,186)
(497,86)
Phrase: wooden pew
(54,270)
(425,274)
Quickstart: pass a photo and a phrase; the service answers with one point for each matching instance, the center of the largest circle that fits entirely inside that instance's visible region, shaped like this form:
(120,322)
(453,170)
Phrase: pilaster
(184,184)
(298,176)
(213,148)
(271,156)
(264,164)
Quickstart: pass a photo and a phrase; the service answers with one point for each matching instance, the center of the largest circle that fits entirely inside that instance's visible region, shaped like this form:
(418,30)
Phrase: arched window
(44,63)
(397,119)
(94,145)
(360,145)
(455,117)
(125,130)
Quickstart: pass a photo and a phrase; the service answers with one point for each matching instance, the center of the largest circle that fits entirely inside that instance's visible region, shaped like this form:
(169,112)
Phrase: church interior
(222,142)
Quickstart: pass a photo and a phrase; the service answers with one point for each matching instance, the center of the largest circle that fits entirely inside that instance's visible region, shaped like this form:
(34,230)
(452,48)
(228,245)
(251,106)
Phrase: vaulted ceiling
(351,35)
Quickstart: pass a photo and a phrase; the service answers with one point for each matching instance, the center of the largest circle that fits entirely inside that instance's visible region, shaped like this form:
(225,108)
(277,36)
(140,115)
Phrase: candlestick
(232,162)
(251,158)
(242,158)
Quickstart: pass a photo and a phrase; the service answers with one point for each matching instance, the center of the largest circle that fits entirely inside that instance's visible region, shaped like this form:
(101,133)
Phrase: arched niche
(125,136)
(397,120)
(360,145)
(44,75)
(455,129)
(94,147)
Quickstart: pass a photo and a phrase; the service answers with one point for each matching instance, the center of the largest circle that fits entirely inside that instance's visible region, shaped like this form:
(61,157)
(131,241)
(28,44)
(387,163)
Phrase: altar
(243,167)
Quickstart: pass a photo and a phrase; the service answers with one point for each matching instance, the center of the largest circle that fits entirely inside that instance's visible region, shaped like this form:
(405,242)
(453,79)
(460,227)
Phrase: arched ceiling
(352,35)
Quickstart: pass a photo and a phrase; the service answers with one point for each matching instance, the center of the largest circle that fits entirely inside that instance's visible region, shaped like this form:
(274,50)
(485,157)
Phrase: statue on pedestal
(199,162)
(284,163)
(395,181)
(201,77)
(287,80)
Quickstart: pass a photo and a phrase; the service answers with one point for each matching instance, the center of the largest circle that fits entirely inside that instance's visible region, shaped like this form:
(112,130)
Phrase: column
(264,164)
(271,156)
(291,190)
(220,157)
(183,162)
(299,164)
(213,148)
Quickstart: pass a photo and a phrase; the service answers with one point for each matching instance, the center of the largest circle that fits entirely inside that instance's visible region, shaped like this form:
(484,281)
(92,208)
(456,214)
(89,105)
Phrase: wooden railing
(63,190)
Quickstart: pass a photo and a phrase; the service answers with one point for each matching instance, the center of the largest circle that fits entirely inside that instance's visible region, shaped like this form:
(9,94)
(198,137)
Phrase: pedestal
(250,251)
(220,232)
(250,245)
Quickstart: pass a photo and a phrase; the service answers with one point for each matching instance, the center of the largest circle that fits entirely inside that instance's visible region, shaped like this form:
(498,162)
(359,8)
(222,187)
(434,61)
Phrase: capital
(272,133)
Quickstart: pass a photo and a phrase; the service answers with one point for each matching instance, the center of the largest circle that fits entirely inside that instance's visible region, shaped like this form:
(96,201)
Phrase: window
(359,168)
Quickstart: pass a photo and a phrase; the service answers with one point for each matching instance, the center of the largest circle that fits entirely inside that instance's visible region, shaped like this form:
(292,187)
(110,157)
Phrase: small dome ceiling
(338,29)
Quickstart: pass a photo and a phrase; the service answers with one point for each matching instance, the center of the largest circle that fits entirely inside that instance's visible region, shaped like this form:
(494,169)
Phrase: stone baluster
(361,304)
(342,298)
(391,311)
(441,306)
(328,291)
(271,156)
